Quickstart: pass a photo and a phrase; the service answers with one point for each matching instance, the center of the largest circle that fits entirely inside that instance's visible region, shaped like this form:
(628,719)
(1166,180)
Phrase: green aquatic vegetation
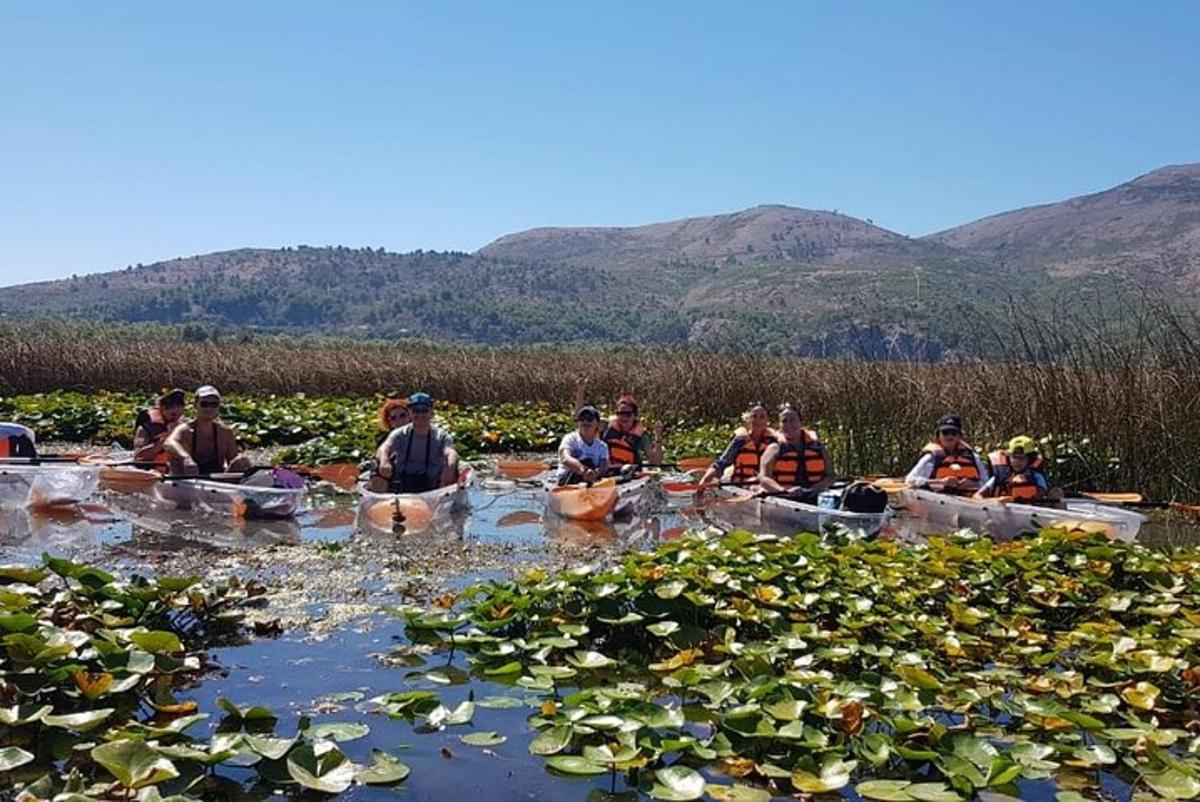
(905,672)
(90,668)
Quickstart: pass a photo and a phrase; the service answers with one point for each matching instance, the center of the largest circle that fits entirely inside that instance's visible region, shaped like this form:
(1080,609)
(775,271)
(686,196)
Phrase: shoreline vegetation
(1114,394)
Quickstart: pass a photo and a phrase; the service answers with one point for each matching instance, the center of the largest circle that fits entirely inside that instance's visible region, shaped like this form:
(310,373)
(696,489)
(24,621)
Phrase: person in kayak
(17,441)
(205,446)
(154,425)
(948,464)
(629,444)
(1018,474)
(392,415)
(795,463)
(418,456)
(583,454)
(745,450)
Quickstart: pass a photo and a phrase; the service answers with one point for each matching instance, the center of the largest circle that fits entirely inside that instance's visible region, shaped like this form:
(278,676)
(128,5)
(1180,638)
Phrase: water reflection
(501,513)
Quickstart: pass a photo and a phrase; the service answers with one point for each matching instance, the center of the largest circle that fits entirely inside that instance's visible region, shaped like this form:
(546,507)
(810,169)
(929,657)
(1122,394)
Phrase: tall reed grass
(1126,383)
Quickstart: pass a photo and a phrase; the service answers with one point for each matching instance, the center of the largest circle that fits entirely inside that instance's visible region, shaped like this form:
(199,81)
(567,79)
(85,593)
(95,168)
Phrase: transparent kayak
(1006,520)
(395,512)
(46,484)
(239,499)
(603,501)
(802,517)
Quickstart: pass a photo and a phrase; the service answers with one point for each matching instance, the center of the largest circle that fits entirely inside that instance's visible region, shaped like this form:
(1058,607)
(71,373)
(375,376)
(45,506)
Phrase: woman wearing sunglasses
(205,445)
(391,416)
(948,464)
(745,450)
(629,444)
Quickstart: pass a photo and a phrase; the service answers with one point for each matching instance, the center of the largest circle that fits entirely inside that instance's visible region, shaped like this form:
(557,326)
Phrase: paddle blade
(1115,498)
(128,480)
(343,475)
(889,485)
(694,464)
(687,487)
(399,513)
(521,469)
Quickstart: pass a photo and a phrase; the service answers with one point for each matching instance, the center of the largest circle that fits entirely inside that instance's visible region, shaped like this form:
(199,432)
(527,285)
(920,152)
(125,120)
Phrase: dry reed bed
(1135,396)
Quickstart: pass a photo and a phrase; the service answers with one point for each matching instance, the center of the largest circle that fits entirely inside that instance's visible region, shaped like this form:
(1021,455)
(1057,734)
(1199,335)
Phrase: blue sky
(132,132)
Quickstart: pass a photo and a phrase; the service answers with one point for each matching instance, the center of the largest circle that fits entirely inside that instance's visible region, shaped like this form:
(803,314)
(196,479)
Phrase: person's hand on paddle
(590,475)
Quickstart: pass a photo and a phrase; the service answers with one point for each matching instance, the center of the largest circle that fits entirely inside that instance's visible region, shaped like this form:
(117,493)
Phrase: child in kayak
(1018,474)
(582,455)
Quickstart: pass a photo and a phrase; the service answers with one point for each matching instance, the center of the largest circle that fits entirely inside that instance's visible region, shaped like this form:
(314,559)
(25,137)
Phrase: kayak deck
(414,511)
(600,502)
(1006,520)
(802,516)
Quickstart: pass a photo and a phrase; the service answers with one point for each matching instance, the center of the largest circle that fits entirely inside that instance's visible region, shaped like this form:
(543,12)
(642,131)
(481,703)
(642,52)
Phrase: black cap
(950,422)
(587,413)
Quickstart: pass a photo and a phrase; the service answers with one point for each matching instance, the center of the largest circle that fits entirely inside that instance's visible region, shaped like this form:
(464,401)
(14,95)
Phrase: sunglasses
(949,432)
(420,410)
(208,404)
(398,413)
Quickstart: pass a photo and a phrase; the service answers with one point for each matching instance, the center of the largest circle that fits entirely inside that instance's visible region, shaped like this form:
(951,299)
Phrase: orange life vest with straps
(1021,486)
(802,464)
(623,447)
(959,463)
(1000,466)
(748,457)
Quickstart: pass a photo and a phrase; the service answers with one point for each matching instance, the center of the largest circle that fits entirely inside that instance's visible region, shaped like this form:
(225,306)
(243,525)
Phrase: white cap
(208,391)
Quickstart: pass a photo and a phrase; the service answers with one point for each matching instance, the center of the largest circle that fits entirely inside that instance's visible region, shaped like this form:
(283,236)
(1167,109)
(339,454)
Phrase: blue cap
(420,399)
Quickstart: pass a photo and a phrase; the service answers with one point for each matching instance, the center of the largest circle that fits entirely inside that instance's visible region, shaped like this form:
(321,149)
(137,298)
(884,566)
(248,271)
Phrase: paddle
(694,463)
(1115,498)
(522,469)
(343,475)
(1193,509)
(768,494)
(689,487)
(52,459)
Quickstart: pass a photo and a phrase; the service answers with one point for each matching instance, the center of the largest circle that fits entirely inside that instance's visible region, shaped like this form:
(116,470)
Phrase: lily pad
(321,767)
(574,764)
(339,731)
(134,763)
(384,770)
(737,793)
(677,784)
(12,757)
(488,738)
(551,740)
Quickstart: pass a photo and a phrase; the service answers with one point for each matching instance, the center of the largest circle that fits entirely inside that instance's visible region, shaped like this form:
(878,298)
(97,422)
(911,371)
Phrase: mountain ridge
(771,277)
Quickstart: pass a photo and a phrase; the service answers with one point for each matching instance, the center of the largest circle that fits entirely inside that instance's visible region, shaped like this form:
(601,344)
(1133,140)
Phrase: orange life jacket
(746,462)
(1019,486)
(623,447)
(959,463)
(800,465)
(1000,465)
